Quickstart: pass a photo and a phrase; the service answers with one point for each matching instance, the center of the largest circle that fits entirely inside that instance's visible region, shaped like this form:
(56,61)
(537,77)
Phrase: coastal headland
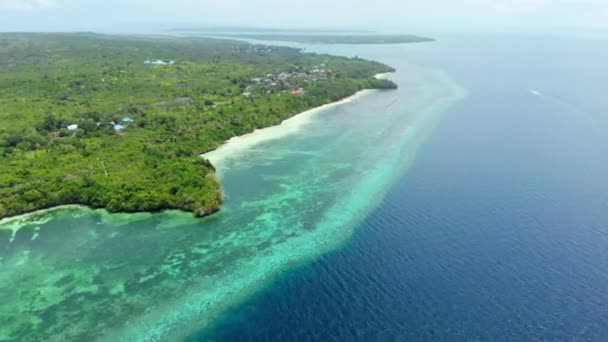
(119,123)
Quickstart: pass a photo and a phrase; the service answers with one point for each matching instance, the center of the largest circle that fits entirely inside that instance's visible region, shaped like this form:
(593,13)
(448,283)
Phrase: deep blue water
(499,232)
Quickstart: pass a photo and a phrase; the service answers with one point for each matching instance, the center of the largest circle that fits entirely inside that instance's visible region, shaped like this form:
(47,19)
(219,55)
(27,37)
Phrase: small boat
(392,103)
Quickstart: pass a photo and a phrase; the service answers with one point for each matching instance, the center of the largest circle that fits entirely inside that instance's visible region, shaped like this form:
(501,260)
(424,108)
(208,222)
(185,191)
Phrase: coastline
(206,270)
(229,149)
(29,215)
(234,146)
(206,302)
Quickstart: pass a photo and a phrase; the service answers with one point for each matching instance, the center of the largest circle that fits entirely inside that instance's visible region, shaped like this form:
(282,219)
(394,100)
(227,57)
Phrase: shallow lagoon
(82,274)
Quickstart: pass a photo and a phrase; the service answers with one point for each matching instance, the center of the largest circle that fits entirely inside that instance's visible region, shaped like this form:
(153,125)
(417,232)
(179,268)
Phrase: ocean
(469,205)
(498,232)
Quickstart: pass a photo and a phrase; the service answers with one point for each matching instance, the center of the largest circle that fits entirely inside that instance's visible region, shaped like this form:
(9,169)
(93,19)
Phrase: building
(297,92)
(158,62)
(72,127)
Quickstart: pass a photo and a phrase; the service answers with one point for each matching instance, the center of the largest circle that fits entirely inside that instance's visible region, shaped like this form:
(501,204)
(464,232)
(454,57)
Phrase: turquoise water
(293,195)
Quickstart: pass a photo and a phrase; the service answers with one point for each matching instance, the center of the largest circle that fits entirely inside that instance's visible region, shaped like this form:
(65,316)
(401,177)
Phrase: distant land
(334,39)
(245,29)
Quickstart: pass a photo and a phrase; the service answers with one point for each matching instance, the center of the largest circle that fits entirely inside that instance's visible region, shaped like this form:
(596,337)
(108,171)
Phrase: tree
(63,132)
(80,133)
(89,125)
(49,124)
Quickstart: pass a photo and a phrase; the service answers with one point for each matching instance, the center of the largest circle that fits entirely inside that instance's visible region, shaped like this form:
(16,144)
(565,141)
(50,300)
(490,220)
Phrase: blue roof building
(127,119)
(119,128)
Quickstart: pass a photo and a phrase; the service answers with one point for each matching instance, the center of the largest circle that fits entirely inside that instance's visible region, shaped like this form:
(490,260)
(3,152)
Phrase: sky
(413,16)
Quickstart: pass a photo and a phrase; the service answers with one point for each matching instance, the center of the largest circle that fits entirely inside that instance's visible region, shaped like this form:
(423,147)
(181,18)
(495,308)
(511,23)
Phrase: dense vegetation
(333,39)
(95,120)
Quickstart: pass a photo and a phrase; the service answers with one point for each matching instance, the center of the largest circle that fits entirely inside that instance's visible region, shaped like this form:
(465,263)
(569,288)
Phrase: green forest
(119,122)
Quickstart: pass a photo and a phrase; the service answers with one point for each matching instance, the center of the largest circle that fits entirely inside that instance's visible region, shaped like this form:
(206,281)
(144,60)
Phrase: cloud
(26,5)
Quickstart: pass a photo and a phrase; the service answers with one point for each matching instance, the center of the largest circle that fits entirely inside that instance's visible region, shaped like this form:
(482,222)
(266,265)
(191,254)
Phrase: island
(120,122)
(330,39)
(259,29)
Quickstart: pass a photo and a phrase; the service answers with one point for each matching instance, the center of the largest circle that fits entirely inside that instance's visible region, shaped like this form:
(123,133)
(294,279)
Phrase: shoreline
(29,215)
(238,144)
(197,296)
(229,149)
(237,286)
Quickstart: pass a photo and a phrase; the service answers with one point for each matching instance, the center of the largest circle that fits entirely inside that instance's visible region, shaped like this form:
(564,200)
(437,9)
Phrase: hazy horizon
(407,16)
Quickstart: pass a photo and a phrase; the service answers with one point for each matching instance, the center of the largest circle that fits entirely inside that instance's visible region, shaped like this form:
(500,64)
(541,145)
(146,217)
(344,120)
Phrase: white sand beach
(236,145)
